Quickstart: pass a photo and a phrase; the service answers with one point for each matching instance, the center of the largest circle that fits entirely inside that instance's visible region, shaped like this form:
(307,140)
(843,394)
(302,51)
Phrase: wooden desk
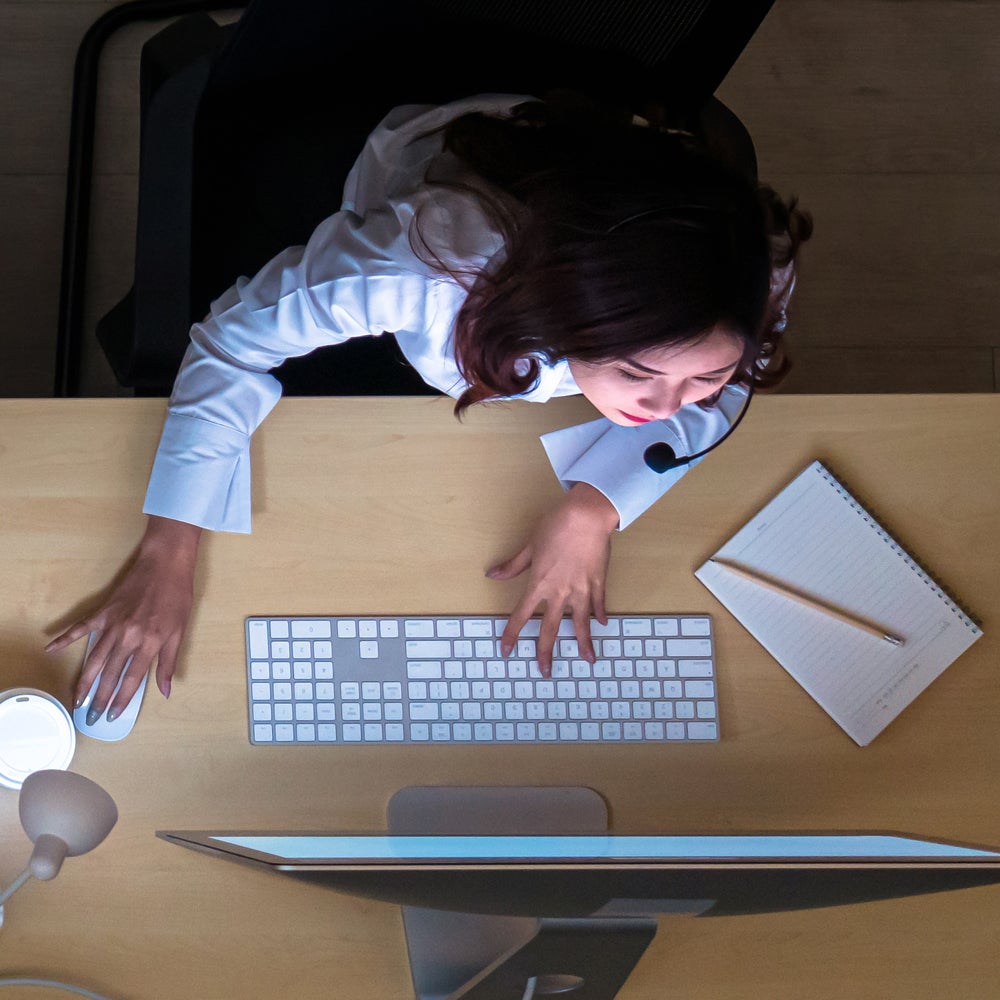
(392,505)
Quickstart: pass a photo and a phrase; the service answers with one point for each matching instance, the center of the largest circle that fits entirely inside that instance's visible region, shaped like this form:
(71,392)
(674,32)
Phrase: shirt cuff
(201,475)
(611,458)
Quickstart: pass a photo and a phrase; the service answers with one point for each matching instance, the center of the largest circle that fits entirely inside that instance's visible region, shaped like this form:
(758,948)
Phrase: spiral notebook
(816,538)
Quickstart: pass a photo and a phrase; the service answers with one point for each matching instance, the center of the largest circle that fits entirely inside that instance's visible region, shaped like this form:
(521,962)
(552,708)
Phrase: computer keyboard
(411,679)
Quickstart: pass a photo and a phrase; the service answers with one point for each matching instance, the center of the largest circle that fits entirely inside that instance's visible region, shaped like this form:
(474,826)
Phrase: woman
(516,249)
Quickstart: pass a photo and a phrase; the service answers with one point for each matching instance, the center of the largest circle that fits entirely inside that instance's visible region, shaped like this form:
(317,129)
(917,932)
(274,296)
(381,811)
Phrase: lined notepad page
(817,538)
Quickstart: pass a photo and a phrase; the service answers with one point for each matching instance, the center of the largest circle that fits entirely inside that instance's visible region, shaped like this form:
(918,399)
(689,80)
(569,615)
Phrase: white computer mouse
(101,728)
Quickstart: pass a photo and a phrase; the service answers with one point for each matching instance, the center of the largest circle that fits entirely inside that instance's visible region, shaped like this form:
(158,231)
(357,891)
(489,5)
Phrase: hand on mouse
(143,617)
(567,559)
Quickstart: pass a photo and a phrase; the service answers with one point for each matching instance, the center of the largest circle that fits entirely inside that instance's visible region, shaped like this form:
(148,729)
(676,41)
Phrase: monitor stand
(468,956)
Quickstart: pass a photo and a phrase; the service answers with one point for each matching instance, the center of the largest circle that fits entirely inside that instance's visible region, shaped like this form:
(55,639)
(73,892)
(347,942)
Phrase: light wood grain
(381,505)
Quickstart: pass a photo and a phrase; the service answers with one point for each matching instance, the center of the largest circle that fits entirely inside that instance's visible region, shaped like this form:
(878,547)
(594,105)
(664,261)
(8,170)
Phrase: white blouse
(359,276)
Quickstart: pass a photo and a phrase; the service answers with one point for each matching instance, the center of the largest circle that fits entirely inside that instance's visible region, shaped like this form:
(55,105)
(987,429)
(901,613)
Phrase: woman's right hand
(143,617)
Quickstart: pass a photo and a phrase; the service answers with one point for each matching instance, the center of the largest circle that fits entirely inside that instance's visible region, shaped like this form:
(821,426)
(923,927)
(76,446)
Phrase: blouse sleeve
(342,284)
(610,457)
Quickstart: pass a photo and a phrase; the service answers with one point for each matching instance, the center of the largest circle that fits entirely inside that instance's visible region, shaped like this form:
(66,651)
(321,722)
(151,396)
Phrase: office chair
(248,131)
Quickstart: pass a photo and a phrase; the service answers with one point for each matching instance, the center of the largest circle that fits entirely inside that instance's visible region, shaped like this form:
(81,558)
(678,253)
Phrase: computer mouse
(102,729)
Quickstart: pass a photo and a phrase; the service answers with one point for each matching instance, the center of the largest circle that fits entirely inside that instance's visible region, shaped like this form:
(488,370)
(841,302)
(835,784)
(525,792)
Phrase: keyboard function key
(416,628)
(696,626)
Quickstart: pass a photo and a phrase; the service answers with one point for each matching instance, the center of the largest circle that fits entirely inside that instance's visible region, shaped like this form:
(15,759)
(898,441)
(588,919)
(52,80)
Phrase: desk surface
(392,505)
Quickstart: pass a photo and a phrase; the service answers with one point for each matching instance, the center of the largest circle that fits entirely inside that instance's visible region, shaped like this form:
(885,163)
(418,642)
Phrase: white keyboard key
(262,712)
(448,628)
(695,626)
(279,629)
(688,647)
(347,630)
(280,650)
(428,649)
(418,627)
(705,709)
(597,630)
(263,733)
(367,629)
(351,732)
(424,710)
(694,668)
(284,732)
(368,649)
(665,626)
(311,628)
(388,628)
(477,628)
(424,670)
(702,731)
(569,648)
(257,639)
(699,689)
(637,626)
(326,732)
(305,732)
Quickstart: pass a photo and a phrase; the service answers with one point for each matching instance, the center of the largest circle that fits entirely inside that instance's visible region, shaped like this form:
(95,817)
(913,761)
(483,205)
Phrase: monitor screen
(373,849)
(584,874)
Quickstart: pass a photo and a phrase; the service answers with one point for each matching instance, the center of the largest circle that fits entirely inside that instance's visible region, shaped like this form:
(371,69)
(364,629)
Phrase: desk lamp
(64,814)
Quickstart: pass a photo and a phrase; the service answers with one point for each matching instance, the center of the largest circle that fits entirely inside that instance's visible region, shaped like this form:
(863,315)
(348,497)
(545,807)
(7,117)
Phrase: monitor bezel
(208,840)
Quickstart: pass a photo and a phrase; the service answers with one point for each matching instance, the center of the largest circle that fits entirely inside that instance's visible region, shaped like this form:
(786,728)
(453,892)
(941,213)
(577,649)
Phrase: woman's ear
(782,286)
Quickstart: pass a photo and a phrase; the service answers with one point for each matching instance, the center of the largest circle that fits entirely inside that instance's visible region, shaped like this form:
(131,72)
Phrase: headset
(661,457)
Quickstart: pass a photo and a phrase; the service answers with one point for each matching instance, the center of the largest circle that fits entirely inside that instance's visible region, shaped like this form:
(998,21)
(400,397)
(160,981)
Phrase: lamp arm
(15,885)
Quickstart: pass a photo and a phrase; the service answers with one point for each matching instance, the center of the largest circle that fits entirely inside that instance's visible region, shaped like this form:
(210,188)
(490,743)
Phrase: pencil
(810,602)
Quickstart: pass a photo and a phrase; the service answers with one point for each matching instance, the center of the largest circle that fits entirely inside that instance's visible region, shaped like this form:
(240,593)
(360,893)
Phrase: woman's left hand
(567,559)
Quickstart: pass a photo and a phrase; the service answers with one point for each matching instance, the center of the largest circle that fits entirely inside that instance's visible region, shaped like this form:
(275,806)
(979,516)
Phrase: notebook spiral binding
(957,608)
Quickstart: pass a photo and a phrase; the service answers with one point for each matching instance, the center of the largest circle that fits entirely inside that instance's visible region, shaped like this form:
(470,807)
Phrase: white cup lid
(36,734)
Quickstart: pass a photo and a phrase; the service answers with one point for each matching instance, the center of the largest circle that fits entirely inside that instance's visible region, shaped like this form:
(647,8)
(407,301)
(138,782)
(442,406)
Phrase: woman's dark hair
(618,238)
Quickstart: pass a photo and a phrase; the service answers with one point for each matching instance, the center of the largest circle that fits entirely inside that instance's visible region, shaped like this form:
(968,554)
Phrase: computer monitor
(594,897)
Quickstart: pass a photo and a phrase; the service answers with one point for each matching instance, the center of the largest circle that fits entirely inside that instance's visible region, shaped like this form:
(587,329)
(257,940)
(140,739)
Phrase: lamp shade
(64,814)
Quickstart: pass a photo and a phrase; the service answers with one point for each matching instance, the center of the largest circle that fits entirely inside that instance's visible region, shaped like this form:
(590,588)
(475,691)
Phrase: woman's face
(654,384)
